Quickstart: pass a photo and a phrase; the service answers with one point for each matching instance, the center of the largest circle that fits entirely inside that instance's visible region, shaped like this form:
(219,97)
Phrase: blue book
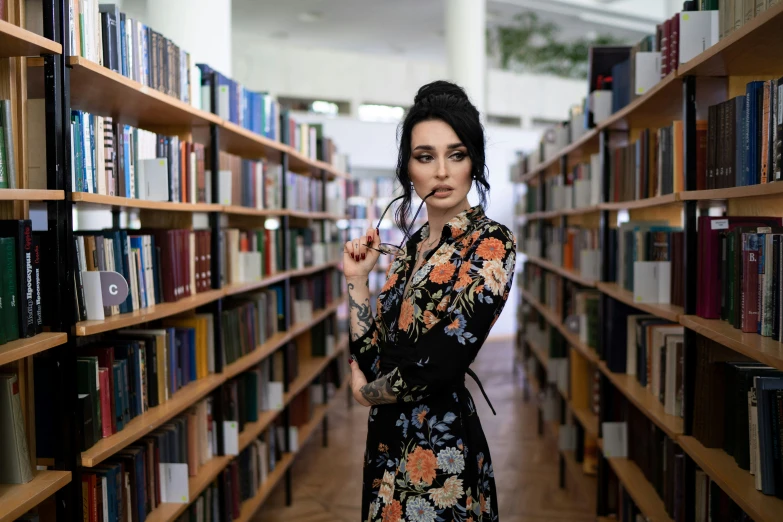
(119,403)
(123,46)
(137,243)
(109,488)
(127,306)
(739,156)
(192,353)
(752,123)
(94,157)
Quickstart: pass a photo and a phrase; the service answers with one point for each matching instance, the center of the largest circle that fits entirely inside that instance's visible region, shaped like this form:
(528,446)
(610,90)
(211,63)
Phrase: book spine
(8,139)
(36,272)
(750,284)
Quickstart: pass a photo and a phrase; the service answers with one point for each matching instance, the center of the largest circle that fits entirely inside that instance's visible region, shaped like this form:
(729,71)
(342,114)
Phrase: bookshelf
(102,92)
(16,41)
(716,75)
(17,499)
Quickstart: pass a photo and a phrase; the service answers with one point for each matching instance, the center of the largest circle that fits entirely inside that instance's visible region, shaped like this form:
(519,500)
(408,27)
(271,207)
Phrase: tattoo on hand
(363,315)
(378,392)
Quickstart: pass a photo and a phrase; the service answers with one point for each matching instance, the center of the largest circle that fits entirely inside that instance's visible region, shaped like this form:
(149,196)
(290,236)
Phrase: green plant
(531,45)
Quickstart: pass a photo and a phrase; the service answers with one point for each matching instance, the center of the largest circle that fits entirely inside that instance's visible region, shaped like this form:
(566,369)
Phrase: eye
(424,158)
(458,156)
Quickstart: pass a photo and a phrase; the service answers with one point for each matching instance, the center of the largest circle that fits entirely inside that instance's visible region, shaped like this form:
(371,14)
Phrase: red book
(674,43)
(749,298)
(667,29)
(107,413)
(709,255)
(701,155)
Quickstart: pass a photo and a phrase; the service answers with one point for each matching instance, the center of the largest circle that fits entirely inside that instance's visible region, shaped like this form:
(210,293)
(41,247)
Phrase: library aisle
(327,483)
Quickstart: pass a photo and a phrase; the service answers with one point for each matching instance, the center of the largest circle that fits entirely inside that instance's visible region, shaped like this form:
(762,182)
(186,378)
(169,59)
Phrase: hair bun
(441,88)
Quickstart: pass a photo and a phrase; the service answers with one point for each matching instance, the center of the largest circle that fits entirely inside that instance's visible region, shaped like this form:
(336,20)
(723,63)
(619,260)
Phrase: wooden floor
(327,481)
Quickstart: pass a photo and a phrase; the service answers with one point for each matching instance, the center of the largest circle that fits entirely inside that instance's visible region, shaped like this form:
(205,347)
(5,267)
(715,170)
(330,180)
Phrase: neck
(438,217)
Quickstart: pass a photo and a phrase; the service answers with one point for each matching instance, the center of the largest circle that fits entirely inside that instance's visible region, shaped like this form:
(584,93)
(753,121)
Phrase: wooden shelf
(579,211)
(17,499)
(15,41)
(641,491)
(254,429)
(563,272)
(665,311)
(311,369)
(765,189)
(147,422)
(649,405)
(543,214)
(571,338)
(738,483)
(762,349)
(587,419)
(21,348)
(235,139)
(657,201)
(261,352)
(240,288)
(238,210)
(30,194)
(310,270)
(749,51)
(301,214)
(657,107)
(250,506)
(99,90)
(194,391)
(586,140)
(118,202)
(539,351)
(168,512)
(147,314)
(331,170)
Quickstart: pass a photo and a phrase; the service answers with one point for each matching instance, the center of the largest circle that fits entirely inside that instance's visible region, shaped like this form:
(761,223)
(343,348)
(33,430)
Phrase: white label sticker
(720,224)
(174,483)
(230,438)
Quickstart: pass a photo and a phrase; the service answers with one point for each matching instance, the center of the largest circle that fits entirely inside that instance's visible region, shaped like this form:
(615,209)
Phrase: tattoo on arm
(379,392)
(363,320)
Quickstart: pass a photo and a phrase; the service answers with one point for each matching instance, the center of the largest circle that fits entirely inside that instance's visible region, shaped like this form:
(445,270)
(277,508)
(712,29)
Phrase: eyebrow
(430,147)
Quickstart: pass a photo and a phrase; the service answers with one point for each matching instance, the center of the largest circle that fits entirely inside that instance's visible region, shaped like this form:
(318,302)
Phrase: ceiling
(415,28)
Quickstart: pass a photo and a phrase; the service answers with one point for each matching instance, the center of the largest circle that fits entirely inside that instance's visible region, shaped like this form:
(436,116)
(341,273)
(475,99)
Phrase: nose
(442,172)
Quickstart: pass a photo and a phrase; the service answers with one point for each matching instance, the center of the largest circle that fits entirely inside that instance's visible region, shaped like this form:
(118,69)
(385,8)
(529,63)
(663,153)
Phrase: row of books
(152,471)
(733,14)
(314,293)
(106,36)
(741,283)
(737,407)
(250,183)
(380,187)
(113,159)
(652,165)
(160,265)
(7,143)
(22,306)
(744,138)
(647,260)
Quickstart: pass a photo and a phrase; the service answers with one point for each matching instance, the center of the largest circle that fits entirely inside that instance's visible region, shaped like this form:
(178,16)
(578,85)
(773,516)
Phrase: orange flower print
(406,314)
(387,487)
(383,448)
(464,278)
(389,283)
(458,225)
(441,274)
(495,277)
(491,248)
(483,503)
(392,512)
(430,320)
(374,340)
(444,303)
(421,466)
(449,494)
(469,503)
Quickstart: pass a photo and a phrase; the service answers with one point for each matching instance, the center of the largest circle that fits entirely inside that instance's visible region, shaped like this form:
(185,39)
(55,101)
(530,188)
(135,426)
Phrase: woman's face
(439,161)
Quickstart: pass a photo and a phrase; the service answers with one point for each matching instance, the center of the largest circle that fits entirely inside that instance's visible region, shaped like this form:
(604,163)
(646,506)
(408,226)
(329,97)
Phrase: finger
(348,249)
(371,237)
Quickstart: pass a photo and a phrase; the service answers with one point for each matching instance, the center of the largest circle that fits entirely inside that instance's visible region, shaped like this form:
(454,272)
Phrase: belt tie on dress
(475,378)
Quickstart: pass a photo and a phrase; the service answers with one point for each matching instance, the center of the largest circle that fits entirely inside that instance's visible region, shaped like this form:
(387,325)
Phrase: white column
(466,47)
(200,27)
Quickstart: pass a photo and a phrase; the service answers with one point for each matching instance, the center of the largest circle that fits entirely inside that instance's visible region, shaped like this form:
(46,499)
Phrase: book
(16,468)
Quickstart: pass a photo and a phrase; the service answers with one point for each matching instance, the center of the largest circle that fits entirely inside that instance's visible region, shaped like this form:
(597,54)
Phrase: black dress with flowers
(427,459)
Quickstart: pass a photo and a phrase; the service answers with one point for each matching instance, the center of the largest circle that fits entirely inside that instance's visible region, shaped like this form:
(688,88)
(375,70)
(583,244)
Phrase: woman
(426,457)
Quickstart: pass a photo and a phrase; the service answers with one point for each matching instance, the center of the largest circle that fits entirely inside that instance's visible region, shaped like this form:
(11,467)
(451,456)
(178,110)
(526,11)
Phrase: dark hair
(447,102)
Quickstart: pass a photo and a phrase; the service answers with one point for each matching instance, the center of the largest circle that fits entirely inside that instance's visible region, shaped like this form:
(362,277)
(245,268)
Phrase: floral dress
(427,458)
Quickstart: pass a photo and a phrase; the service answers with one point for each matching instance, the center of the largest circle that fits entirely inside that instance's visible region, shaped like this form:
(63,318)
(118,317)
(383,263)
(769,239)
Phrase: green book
(251,396)
(3,160)
(9,296)
(87,383)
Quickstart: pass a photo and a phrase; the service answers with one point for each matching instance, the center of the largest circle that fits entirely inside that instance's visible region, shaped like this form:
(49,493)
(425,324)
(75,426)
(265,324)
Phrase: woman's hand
(358,260)
(358,380)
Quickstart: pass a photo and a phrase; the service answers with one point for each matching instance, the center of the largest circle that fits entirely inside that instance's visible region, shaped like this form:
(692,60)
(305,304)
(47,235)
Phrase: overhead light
(311,16)
(617,22)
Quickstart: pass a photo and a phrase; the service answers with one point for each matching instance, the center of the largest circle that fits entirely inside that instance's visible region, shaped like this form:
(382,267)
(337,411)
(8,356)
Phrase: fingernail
(364,256)
(369,239)
(353,257)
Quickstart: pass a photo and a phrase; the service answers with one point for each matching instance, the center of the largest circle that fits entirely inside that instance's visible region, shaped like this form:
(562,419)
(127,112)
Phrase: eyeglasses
(390,248)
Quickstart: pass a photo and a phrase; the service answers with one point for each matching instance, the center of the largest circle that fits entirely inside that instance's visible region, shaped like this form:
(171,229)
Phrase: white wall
(287,70)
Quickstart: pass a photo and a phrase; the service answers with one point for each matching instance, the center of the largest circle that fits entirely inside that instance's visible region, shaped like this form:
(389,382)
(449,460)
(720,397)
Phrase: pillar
(200,27)
(466,47)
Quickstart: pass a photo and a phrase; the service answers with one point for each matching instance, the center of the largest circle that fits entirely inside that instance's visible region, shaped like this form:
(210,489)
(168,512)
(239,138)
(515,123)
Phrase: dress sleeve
(443,354)
(365,351)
